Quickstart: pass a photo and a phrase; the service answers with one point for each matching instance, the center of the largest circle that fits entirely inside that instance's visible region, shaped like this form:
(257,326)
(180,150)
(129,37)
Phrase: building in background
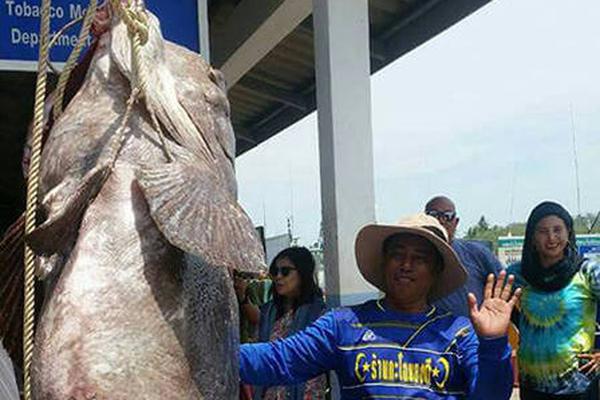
(274,244)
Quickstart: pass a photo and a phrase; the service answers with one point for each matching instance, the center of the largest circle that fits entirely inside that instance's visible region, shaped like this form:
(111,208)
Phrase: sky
(484,113)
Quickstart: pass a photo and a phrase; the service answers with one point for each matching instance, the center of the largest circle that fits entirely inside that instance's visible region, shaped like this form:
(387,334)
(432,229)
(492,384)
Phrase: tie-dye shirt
(554,328)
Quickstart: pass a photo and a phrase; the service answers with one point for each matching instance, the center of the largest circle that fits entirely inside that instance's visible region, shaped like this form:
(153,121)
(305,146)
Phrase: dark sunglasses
(445,216)
(284,271)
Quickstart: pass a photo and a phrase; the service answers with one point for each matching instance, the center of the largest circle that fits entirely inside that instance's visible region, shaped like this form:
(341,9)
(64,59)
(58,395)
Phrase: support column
(203,31)
(345,141)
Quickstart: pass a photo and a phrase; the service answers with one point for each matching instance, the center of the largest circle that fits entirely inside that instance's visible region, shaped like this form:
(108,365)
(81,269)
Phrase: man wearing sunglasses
(476,258)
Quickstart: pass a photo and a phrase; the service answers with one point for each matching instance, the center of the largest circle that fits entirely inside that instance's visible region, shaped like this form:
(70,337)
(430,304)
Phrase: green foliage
(584,222)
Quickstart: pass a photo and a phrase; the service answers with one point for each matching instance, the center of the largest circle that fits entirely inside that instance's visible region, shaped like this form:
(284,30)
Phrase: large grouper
(137,251)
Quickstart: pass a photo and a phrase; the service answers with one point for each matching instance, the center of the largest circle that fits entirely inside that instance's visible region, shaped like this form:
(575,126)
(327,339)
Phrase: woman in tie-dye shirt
(558,309)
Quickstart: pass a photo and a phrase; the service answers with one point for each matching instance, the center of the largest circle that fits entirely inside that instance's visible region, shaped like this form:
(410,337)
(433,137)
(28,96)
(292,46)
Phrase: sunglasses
(445,216)
(284,271)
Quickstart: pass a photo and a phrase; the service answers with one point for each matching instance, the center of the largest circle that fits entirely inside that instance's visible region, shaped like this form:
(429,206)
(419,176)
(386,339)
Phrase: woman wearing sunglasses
(297,302)
(558,309)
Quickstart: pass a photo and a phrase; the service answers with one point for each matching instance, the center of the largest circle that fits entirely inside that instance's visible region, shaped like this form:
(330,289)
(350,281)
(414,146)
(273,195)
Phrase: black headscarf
(557,276)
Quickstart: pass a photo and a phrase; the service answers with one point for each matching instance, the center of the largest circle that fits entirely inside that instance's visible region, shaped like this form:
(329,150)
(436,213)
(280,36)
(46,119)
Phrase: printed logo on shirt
(431,370)
(369,336)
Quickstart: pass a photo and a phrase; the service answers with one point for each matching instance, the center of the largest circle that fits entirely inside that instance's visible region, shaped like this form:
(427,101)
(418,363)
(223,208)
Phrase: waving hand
(491,319)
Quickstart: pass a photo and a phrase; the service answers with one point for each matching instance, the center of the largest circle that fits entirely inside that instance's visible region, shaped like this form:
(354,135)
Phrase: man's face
(409,265)
(445,212)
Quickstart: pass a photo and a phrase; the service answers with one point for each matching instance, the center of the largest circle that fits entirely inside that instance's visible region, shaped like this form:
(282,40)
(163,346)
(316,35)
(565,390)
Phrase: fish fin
(196,214)
(65,208)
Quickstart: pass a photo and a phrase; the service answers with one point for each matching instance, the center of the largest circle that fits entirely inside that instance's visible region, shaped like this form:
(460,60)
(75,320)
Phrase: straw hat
(369,252)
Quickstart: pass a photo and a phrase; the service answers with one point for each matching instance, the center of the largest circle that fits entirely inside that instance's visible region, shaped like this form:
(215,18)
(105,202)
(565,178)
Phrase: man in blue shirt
(476,258)
(401,347)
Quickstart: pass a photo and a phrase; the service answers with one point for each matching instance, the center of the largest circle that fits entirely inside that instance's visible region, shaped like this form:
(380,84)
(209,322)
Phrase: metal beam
(421,24)
(418,9)
(390,7)
(245,135)
(272,92)
(253,30)
(203,31)
(425,22)
(378,50)
(239,27)
(278,118)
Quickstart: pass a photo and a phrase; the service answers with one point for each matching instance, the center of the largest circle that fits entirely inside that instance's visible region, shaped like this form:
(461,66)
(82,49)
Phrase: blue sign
(20,21)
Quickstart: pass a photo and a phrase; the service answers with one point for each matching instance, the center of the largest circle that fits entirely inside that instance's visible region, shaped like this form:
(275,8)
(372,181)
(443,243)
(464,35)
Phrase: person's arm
(292,360)
(486,365)
(590,362)
(591,270)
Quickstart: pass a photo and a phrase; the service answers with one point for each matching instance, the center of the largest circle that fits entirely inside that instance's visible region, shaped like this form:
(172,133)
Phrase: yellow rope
(72,60)
(55,38)
(117,145)
(32,198)
(137,26)
(134,17)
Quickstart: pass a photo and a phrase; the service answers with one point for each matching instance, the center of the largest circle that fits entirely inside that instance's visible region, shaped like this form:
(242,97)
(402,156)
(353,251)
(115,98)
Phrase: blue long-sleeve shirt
(380,353)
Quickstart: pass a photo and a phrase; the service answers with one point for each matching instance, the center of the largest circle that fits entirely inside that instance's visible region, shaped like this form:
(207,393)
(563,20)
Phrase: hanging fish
(137,251)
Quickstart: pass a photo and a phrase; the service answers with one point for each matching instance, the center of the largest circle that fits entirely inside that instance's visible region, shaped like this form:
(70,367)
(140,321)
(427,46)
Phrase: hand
(592,365)
(240,285)
(492,318)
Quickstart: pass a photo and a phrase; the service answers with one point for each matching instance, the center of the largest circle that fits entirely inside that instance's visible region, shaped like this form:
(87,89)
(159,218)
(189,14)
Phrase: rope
(62,30)
(32,198)
(134,17)
(56,36)
(117,145)
(73,57)
(137,26)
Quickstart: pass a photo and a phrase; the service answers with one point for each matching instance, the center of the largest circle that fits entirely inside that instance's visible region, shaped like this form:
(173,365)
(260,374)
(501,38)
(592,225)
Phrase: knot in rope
(137,23)
(134,17)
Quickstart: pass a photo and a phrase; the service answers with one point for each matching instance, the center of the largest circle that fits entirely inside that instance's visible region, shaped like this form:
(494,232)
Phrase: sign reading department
(20,22)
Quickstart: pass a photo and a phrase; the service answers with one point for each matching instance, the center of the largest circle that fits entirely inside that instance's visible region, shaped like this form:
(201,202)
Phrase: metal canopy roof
(276,92)
(280,89)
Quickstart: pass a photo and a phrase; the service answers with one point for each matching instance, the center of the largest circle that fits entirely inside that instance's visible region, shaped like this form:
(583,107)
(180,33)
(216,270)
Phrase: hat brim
(369,257)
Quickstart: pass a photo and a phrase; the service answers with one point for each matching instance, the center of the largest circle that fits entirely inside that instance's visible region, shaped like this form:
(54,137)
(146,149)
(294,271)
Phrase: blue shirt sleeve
(486,364)
(294,359)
